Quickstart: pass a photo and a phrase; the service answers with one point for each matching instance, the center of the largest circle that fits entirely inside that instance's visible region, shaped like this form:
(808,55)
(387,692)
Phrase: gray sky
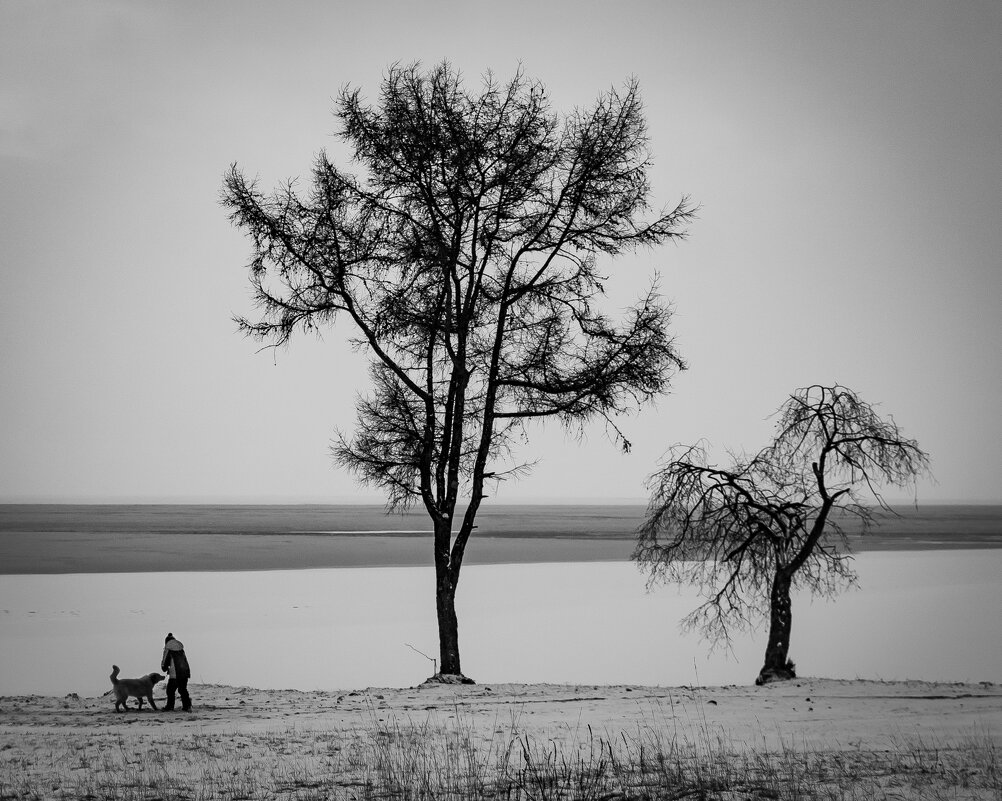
(847,159)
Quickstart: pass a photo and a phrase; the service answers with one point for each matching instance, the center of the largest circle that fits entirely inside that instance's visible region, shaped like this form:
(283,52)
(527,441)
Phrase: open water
(930,614)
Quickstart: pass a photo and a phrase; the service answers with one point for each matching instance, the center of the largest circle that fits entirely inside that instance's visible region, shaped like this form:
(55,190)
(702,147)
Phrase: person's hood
(174,645)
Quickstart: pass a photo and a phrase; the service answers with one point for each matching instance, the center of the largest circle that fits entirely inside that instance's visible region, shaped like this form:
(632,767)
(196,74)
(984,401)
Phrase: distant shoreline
(75,538)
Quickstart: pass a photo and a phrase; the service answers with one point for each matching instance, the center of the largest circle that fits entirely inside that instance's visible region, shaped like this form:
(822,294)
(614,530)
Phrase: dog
(136,688)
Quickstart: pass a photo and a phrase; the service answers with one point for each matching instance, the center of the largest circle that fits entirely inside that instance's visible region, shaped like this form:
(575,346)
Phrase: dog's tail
(114,674)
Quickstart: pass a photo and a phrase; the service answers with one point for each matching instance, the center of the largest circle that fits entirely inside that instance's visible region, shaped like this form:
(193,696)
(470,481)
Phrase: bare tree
(750,533)
(466,260)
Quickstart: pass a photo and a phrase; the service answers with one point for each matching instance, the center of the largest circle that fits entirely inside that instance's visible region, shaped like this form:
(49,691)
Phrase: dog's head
(155,678)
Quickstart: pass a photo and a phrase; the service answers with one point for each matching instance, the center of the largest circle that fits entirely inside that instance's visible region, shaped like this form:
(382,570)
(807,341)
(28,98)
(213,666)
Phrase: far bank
(85,538)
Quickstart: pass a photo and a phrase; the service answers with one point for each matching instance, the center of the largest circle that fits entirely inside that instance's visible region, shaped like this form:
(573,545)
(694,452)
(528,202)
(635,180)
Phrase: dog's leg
(150,699)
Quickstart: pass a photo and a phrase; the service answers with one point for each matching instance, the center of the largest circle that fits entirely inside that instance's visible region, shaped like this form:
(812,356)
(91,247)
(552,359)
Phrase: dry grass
(406,760)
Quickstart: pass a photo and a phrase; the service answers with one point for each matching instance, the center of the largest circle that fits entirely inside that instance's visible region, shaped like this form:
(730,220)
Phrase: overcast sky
(847,159)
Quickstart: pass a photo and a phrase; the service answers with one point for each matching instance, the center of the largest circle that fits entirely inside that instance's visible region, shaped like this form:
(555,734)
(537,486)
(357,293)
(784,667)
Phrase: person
(175,663)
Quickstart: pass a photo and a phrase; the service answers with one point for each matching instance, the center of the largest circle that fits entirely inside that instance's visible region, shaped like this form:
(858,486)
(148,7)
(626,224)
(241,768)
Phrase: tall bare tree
(466,261)
(750,533)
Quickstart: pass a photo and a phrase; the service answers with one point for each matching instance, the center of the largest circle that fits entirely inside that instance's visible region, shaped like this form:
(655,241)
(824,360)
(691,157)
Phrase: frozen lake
(931,615)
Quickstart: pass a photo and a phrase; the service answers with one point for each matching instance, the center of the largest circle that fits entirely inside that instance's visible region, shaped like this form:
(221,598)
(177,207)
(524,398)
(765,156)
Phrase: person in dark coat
(175,663)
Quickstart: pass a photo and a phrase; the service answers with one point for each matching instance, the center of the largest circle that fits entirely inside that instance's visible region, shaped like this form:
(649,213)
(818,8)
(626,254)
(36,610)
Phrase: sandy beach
(283,743)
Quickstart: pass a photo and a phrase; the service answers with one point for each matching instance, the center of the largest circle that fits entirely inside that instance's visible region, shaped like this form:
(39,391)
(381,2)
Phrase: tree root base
(448,678)
(773,674)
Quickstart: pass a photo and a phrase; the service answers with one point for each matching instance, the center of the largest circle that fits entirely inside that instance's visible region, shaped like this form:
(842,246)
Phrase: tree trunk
(778,666)
(449,670)
(448,625)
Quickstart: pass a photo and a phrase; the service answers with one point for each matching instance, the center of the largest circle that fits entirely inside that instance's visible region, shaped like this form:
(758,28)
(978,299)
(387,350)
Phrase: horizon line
(372,500)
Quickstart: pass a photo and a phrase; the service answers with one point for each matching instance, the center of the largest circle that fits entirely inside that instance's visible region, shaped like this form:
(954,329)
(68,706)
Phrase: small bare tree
(466,261)
(750,533)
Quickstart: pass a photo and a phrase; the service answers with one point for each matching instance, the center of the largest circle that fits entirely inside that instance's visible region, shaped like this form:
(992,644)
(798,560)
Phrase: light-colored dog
(136,688)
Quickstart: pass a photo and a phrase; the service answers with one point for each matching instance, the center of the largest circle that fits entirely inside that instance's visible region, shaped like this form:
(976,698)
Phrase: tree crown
(785,510)
(466,259)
